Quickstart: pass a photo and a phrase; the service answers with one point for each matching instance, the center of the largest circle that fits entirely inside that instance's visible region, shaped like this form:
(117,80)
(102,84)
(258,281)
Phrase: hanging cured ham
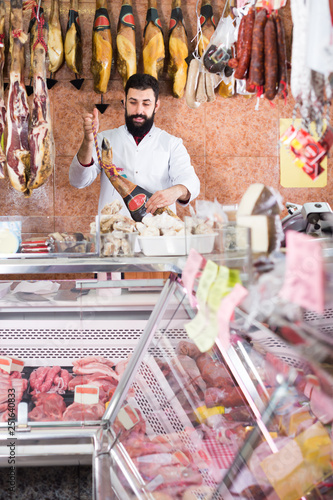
(2,102)
(126,53)
(55,43)
(207,24)
(32,30)
(178,49)
(153,45)
(101,48)
(41,142)
(17,151)
(73,41)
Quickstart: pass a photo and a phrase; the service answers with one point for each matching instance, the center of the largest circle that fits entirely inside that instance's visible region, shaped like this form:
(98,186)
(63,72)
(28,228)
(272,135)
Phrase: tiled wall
(231,144)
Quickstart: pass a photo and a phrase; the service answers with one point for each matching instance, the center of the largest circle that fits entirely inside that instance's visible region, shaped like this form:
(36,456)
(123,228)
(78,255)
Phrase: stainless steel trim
(138,353)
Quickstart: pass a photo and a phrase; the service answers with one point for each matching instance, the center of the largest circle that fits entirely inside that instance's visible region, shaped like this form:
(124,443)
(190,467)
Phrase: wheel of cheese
(9,242)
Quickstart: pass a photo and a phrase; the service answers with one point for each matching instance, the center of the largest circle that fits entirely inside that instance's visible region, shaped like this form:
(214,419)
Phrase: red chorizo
(245,53)
(282,53)
(240,37)
(257,52)
(271,60)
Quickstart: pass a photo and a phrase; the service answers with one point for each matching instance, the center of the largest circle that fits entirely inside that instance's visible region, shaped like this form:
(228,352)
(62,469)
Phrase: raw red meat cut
(49,379)
(48,407)
(95,367)
(82,412)
(92,359)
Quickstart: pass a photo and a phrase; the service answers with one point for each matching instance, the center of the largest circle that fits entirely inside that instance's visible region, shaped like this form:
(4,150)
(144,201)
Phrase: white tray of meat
(176,245)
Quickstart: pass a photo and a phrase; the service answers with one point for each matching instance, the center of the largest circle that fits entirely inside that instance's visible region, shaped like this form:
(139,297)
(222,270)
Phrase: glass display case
(248,422)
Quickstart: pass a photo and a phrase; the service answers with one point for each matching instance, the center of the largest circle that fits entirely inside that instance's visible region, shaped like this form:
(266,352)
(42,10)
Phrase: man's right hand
(84,154)
(88,120)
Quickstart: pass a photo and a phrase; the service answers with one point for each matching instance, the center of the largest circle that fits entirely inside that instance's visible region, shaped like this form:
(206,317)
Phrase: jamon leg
(18,156)
(17,151)
(2,102)
(41,142)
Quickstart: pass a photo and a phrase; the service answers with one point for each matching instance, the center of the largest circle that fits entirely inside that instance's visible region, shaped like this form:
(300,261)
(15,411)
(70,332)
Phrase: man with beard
(149,156)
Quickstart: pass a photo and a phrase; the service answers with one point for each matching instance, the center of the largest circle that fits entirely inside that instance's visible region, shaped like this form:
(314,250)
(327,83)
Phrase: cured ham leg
(153,45)
(55,43)
(126,56)
(73,41)
(207,23)
(101,48)
(41,142)
(17,151)
(178,49)
(2,102)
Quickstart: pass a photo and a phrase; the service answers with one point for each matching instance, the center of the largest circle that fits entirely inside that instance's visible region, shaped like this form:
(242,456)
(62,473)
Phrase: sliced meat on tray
(10,385)
(92,365)
(107,385)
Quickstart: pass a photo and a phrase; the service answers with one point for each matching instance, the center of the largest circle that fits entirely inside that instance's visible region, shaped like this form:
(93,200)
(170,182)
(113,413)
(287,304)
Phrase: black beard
(138,130)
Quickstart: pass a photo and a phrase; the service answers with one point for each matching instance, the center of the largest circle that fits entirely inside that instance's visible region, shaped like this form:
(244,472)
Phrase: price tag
(5,364)
(86,394)
(218,289)
(17,365)
(206,280)
(304,274)
(192,267)
(226,310)
(201,332)
(181,457)
(128,417)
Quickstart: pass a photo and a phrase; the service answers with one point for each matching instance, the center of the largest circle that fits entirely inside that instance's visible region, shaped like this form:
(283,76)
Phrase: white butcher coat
(158,162)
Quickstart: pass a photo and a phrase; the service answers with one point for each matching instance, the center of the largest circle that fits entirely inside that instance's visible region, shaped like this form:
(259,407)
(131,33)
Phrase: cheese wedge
(264,231)
(259,200)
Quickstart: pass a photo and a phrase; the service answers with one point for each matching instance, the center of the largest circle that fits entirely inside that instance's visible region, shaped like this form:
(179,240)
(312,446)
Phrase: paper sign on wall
(304,274)
(270,4)
(290,174)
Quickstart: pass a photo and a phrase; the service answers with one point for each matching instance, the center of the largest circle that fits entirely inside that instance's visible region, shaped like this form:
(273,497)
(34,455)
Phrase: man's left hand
(167,197)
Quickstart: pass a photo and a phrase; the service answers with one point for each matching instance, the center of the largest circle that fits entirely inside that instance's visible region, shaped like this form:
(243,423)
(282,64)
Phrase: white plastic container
(176,245)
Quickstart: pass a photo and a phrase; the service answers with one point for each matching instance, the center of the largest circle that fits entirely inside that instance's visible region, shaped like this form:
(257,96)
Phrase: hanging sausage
(101,48)
(2,102)
(126,55)
(178,49)
(153,45)
(17,150)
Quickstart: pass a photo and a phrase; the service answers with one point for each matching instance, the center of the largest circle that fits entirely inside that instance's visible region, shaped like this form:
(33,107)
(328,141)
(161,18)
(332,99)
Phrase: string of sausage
(111,168)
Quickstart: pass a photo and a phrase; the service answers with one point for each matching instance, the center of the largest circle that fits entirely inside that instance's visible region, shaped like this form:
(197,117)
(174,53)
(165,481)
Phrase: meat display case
(170,428)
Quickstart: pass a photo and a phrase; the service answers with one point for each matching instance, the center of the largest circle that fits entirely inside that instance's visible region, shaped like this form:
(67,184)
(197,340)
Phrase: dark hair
(142,81)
